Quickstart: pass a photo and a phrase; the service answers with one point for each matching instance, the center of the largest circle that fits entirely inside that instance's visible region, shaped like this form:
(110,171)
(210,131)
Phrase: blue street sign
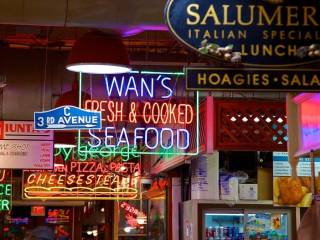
(67,117)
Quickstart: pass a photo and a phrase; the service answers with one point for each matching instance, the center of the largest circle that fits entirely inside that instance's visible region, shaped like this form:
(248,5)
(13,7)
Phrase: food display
(292,191)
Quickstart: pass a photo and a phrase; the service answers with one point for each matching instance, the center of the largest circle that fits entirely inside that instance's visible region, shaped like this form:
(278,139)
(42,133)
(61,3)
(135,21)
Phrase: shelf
(132,235)
(239,202)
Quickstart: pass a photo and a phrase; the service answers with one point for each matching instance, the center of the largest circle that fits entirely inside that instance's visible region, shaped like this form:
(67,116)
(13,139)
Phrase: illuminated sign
(133,216)
(263,33)
(58,216)
(5,190)
(18,130)
(252,79)
(85,153)
(17,221)
(67,117)
(153,118)
(38,211)
(84,181)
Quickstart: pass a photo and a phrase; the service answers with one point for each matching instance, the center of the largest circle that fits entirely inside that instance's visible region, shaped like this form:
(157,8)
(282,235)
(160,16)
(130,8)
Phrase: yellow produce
(306,201)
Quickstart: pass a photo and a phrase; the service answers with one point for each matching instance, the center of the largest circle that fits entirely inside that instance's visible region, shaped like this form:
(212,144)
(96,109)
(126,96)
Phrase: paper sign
(16,154)
(293,191)
(18,130)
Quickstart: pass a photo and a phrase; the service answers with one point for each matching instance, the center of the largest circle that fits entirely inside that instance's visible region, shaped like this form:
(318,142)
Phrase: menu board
(289,190)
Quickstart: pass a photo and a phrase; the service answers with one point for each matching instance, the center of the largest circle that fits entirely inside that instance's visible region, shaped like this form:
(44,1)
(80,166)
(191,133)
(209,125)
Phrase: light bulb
(98,68)
(102,209)
(89,232)
(127,229)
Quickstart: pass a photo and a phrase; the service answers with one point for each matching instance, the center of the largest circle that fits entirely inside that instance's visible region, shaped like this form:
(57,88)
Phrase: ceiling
(126,16)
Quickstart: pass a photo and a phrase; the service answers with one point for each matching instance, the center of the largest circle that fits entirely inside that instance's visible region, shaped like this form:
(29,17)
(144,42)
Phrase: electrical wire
(45,72)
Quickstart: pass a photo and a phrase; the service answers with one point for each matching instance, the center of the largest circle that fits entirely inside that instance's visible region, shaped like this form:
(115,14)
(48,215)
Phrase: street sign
(67,117)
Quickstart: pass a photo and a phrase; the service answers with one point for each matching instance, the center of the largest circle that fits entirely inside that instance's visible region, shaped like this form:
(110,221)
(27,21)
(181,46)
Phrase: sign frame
(65,126)
(243,71)
(168,9)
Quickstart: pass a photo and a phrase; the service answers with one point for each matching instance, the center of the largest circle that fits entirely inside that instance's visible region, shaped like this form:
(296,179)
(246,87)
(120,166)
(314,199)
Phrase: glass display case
(252,225)
(224,225)
(244,220)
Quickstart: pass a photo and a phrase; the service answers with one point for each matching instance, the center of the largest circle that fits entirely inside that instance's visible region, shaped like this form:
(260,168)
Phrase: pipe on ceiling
(127,16)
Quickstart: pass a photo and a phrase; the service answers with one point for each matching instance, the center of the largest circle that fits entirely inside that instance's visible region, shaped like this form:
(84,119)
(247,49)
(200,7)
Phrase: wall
(25,73)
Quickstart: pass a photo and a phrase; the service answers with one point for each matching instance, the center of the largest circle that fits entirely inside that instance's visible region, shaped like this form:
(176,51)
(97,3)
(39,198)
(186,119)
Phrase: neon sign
(18,220)
(84,181)
(86,153)
(151,119)
(58,216)
(5,191)
(132,214)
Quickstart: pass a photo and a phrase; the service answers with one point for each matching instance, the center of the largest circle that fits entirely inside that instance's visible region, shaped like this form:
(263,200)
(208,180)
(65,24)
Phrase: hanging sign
(67,117)
(20,154)
(264,34)
(18,130)
(252,79)
(141,110)
(88,180)
(86,152)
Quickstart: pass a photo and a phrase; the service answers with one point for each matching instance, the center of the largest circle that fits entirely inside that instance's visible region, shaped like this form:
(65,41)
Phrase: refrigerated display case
(241,220)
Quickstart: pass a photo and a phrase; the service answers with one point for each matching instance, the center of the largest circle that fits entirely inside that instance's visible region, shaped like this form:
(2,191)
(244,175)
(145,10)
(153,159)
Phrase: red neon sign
(132,214)
(38,211)
(84,180)
(146,112)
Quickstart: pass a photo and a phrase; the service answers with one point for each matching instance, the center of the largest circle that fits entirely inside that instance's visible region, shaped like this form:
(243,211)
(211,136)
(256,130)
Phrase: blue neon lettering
(94,141)
(123,133)
(114,83)
(108,137)
(163,83)
(186,138)
(144,86)
(133,87)
(155,137)
(169,141)
(136,136)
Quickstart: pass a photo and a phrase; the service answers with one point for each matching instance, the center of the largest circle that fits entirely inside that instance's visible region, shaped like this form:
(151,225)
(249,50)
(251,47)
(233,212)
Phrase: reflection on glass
(221,226)
(267,226)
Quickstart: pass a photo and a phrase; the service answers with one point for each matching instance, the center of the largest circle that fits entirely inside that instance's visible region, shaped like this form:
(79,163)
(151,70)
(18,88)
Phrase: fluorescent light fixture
(96,68)
(224,214)
(63,145)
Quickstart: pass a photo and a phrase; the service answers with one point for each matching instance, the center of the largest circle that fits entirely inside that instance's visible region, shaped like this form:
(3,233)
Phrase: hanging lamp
(99,53)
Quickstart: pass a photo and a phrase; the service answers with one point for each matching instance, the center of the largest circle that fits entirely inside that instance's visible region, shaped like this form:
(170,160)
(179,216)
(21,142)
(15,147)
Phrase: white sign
(15,154)
(18,130)
(282,168)
(205,177)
